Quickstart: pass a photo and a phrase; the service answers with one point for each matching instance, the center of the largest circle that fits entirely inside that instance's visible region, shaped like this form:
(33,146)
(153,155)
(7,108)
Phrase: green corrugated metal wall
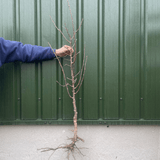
(122,81)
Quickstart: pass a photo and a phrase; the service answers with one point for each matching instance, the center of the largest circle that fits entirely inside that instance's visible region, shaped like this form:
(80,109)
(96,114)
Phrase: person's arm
(11,51)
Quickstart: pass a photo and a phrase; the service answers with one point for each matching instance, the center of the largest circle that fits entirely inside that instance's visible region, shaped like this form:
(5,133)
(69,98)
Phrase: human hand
(63,51)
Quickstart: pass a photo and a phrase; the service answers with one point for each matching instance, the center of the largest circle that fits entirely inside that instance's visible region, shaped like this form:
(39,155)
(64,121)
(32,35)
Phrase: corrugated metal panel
(152,61)
(122,81)
(132,52)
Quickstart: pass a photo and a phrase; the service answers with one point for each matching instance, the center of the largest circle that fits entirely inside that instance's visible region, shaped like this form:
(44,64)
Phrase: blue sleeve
(11,51)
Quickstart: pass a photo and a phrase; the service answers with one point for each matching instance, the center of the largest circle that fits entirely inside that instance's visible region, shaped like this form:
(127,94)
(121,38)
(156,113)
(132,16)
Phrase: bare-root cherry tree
(75,85)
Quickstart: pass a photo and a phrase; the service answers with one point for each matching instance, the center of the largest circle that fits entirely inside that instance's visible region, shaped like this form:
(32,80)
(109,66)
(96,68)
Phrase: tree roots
(70,148)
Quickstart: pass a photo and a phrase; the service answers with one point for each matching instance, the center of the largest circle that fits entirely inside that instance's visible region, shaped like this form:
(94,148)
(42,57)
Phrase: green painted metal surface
(122,81)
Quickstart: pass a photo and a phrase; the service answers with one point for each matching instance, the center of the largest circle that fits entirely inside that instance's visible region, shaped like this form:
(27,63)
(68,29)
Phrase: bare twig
(64,85)
(78,52)
(80,25)
(63,73)
(59,30)
(68,32)
(74,43)
(73,33)
(75,80)
(69,79)
(81,69)
(61,84)
(82,77)
(78,28)
(67,65)
(77,74)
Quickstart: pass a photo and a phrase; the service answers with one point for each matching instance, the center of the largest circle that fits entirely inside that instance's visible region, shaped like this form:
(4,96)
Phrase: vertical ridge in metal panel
(39,29)
(2,91)
(132,59)
(28,71)
(15,68)
(17,64)
(17,10)
(146,112)
(59,44)
(91,76)
(36,22)
(82,52)
(111,60)
(142,4)
(39,84)
(39,110)
(103,55)
(100,56)
(121,55)
(14,95)
(49,68)
(9,105)
(77,65)
(14,19)
(17,93)
(152,60)
(36,30)
(157,59)
(79,98)
(1,19)
(144,64)
(57,69)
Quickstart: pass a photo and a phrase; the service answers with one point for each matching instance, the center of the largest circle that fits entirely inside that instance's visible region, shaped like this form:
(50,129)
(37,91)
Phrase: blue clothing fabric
(11,51)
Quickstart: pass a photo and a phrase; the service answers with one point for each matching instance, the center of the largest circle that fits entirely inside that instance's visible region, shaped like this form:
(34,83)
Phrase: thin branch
(81,70)
(77,74)
(74,43)
(59,30)
(64,85)
(69,85)
(79,25)
(83,76)
(78,28)
(75,80)
(73,34)
(71,16)
(62,72)
(67,32)
(61,84)
(78,52)
(67,65)
(69,79)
